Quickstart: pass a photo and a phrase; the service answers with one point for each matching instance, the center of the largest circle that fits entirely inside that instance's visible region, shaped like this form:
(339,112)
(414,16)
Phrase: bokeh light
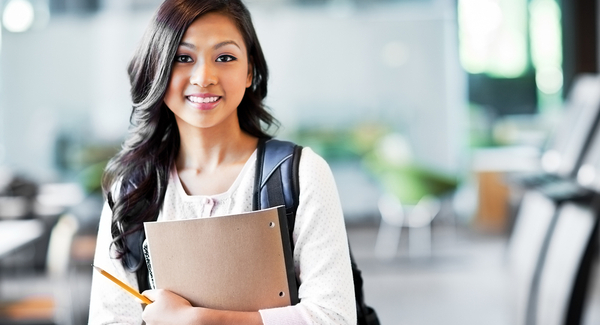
(18,16)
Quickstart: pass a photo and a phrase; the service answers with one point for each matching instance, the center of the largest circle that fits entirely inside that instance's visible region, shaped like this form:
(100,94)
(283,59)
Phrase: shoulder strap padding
(277,164)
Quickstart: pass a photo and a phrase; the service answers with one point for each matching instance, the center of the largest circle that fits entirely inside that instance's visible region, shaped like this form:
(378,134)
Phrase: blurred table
(491,167)
(15,234)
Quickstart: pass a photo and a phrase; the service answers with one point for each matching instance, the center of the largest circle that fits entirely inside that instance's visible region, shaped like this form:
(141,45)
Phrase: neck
(207,149)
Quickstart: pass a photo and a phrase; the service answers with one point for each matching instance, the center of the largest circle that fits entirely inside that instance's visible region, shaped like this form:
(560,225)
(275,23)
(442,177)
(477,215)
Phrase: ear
(250,75)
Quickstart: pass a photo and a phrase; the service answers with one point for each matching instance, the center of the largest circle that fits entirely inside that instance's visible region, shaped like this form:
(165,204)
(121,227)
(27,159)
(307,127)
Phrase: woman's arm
(321,254)
(169,308)
(109,304)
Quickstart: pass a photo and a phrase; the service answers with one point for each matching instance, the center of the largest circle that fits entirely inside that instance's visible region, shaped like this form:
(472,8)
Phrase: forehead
(213,28)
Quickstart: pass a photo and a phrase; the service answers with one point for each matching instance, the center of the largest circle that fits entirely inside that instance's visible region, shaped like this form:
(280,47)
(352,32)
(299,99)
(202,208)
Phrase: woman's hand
(168,308)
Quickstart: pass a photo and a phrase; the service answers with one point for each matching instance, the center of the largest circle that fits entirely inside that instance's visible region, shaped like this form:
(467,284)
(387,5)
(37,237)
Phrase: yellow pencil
(123,285)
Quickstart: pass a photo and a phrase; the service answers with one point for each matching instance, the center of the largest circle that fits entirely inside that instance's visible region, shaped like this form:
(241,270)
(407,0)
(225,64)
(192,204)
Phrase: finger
(151,294)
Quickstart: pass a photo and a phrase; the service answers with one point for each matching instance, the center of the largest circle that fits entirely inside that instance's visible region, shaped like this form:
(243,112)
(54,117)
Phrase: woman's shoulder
(312,165)
(309,156)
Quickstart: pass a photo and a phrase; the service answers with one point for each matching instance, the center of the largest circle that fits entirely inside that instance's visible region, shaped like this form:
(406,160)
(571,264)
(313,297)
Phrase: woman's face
(210,74)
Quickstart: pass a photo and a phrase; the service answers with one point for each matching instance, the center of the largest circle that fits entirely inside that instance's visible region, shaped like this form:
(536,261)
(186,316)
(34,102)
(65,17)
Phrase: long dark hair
(135,179)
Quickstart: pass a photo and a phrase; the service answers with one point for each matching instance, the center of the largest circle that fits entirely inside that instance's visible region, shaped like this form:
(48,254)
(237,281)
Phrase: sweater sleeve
(110,304)
(321,255)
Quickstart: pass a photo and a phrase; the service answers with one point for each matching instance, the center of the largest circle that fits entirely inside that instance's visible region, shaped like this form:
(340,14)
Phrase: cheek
(239,81)
(168,98)
(174,89)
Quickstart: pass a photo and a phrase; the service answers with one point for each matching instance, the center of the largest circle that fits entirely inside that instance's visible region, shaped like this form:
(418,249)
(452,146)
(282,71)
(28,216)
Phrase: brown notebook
(237,262)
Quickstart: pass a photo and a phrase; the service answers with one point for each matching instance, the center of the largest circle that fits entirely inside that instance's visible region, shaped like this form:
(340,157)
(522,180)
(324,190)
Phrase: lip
(203,106)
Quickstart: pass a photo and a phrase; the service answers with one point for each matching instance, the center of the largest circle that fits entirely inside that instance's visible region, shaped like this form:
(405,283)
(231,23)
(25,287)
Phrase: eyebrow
(217,46)
(226,43)
(188,45)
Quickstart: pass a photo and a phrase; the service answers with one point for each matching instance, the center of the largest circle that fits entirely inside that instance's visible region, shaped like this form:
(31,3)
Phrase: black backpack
(276,183)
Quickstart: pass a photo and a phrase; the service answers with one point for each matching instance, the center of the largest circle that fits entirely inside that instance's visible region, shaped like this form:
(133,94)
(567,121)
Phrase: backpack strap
(276,184)
(276,180)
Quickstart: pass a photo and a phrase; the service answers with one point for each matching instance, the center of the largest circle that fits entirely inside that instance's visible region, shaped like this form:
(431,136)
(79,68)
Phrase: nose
(203,75)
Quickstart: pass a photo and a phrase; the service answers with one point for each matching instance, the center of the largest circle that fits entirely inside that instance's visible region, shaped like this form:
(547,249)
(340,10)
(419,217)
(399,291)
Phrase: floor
(463,281)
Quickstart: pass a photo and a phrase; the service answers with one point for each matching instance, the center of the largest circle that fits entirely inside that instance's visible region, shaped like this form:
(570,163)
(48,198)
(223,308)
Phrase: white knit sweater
(321,256)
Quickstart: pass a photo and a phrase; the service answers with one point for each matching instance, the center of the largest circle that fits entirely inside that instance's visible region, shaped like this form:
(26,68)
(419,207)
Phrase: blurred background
(461,133)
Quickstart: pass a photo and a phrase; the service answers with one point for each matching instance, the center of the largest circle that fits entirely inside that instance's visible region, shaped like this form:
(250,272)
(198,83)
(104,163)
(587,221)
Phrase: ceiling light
(18,16)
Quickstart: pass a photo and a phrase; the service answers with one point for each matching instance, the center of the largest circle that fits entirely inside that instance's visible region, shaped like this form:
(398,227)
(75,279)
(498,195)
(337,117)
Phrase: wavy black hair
(135,179)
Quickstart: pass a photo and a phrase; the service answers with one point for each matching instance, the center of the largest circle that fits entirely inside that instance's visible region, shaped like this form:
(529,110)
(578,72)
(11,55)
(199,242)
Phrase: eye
(183,58)
(226,58)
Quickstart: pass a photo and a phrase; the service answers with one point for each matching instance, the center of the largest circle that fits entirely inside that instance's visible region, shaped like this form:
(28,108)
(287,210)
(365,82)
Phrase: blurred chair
(527,244)
(551,253)
(566,269)
(570,140)
(417,219)
(390,227)
(44,307)
(551,240)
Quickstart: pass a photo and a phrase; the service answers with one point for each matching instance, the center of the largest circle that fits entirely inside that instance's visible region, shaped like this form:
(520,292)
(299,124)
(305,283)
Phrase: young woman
(198,80)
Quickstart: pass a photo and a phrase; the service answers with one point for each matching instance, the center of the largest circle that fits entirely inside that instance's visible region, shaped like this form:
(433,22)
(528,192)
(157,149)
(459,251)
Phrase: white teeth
(202,99)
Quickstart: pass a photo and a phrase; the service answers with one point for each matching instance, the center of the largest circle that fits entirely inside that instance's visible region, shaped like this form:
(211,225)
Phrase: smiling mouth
(203,100)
